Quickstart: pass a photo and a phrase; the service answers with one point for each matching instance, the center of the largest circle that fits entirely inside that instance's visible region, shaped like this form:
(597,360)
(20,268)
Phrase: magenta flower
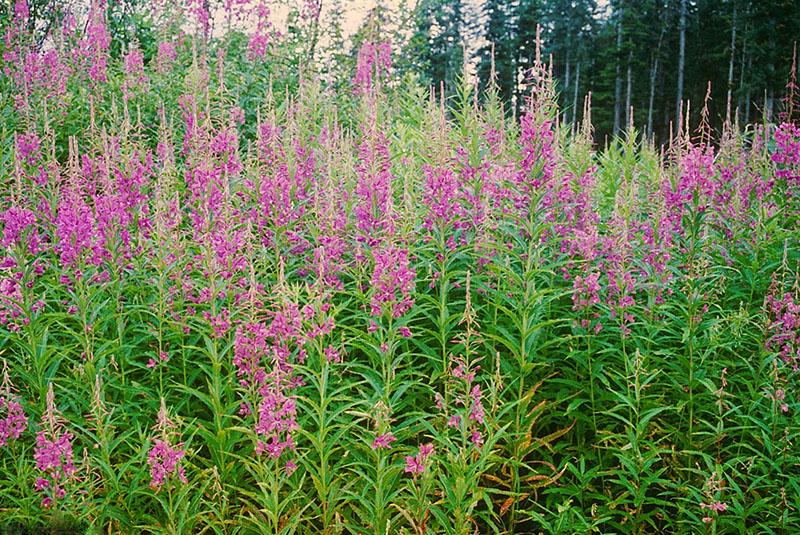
(250,343)
(261,38)
(454,420)
(19,226)
(53,455)
(476,438)
(93,48)
(468,412)
(276,421)
(417,464)
(392,282)
(164,457)
(164,460)
(135,77)
(374,202)
(442,199)
(167,54)
(383,441)
(13,421)
(413,465)
(787,153)
(290,467)
(374,61)
(333,355)
(476,411)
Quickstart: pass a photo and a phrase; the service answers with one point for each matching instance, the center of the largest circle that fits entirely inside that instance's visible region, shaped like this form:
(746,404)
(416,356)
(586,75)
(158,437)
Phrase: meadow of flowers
(227,305)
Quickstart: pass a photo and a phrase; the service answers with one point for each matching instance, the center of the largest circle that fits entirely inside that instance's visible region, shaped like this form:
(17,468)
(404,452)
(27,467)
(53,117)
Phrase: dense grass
(227,306)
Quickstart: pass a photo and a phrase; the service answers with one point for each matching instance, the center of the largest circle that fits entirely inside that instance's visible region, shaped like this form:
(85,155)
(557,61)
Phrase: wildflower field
(236,300)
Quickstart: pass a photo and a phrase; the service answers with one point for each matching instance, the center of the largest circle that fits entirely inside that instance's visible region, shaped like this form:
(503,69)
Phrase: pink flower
(164,457)
(417,464)
(290,467)
(135,77)
(12,420)
(413,465)
(476,438)
(164,460)
(332,355)
(787,153)
(392,282)
(53,454)
(374,201)
(276,421)
(476,412)
(442,194)
(383,441)
(94,46)
(374,61)
(167,54)
(717,506)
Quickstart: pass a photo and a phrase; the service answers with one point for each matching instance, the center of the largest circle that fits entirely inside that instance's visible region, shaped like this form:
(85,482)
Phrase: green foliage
(542,409)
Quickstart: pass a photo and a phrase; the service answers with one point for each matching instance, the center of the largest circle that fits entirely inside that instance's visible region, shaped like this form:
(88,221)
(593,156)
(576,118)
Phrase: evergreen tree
(438,44)
(640,59)
(500,51)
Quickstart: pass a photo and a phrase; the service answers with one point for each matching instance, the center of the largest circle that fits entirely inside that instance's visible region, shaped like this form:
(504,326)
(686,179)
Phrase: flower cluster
(264,32)
(392,282)
(135,77)
(94,46)
(442,199)
(784,328)
(712,489)
(13,421)
(383,441)
(787,153)
(374,204)
(417,464)
(53,455)
(262,356)
(164,461)
(374,61)
(164,457)
(468,413)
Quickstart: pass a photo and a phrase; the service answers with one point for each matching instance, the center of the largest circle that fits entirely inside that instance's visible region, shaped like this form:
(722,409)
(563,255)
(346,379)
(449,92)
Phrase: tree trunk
(730,64)
(566,88)
(743,63)
(681,63)
(575,94)
(747,97)
(628,110)
(654,76)
(769,105)
(618,82)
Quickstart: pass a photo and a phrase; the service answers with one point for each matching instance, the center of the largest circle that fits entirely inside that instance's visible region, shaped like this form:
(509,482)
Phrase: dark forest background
(644,55)
(639,57)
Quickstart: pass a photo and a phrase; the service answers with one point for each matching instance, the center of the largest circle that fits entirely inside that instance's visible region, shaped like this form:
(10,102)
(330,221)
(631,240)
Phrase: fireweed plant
(236,298)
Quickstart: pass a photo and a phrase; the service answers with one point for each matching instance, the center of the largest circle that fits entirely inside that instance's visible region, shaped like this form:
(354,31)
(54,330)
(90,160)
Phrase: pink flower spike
(383,441)
(413,466)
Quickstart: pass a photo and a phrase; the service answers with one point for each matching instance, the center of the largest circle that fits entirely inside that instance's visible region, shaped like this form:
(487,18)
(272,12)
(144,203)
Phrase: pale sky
(355,11)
